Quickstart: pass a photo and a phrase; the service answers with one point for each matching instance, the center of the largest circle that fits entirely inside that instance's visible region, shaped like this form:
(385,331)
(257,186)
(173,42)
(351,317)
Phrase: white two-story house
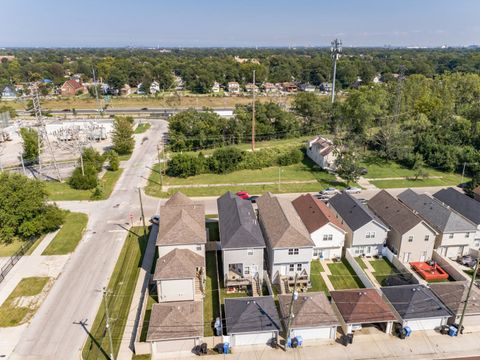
(326,231)
(289,247)
(242,244)
(366,233)
(322,152)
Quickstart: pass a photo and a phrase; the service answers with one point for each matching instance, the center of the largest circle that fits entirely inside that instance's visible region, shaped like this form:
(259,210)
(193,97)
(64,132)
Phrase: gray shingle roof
(453,295)
(238,223)
(353,213)
(178,264)
(252,314)
(461,203)
(437,215)
(282,226)
(415,302)
(395,214)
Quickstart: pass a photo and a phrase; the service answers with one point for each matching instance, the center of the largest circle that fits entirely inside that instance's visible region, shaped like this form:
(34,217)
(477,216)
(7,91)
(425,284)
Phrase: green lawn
(318,284)
(213,234)
(211,307)
(10,249)
(152,299)
(383,270)
(361,262)
(343,276)
(121,287)
(124,157)
(141,357)
(59,191)
(13,314)
(446,180)
(69,235)
(141,128)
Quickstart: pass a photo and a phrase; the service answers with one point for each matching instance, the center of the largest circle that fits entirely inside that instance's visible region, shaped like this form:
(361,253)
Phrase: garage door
(251,339)
(312,334)
(427,324)
(177,348)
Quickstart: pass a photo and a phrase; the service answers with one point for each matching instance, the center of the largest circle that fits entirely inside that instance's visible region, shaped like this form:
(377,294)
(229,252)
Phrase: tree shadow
(93,341)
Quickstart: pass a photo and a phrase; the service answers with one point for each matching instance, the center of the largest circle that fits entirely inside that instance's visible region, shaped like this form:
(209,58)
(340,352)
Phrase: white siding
(425,324)
(360,235)
(419,249)
(241,256)
(320,333)
(260,338)
(176,290)
(173,348)
(280,262)
(164,250)
(332,248)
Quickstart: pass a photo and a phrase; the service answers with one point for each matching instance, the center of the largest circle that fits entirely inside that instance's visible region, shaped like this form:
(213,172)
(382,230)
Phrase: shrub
(93,157)
(113,161)
(184,165)
(84,182)
(291,157)
(225,160)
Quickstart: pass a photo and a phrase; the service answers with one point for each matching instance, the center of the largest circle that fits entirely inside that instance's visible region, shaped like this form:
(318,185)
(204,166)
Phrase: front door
(283,270)
(423,257)
(368,250)
(406,257)
(254,270)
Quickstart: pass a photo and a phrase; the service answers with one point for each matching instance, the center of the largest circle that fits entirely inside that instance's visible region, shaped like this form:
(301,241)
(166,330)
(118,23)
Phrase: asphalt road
(55,332)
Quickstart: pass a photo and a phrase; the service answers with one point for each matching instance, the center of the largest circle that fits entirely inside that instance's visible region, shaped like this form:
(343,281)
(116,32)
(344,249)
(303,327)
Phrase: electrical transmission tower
(42,133)
(336,50)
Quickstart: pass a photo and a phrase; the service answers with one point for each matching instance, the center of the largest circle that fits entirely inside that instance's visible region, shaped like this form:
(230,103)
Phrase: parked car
(243,195)
(329,191)
(155,219)
(253,199)
(352,190)
(467,260)
(323,198)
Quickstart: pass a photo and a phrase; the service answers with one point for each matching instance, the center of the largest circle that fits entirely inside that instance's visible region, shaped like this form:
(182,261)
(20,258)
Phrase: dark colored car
(253,198)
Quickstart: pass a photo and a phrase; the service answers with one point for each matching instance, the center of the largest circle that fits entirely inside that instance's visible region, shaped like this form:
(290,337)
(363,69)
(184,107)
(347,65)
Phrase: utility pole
(290,312)
(336,50)
(253,113)
(108,323)
(141,209)
(474,275)
(279,175)
(160,163)
(463,171)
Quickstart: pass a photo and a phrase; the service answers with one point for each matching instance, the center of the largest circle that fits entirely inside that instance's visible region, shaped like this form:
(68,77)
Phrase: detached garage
(417,306)
(314,318)
(252,320)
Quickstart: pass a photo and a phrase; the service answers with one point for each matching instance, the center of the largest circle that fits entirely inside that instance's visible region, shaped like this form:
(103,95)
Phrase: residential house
(417,306)
(252,320)
(313,316)
(71,88)
(454,295)
(307,87)
(289,87)
(455,233)
(175,328)
(289,247)
(465,206)
(326,231)
(154,87)
(8,93)
(250,88)
(476,193)
(410,237)
(233,87)
(216,87)
(321,151)
(180,276)
(242,243)
(269,88)
(326,87)
(359,307)
(178,83)
(366,233)
(182,226)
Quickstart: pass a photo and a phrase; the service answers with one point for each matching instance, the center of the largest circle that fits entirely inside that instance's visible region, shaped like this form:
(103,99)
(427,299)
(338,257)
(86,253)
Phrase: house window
(291,267)
(467,235)
(292,251)
(427,237)
(410,238)
(199,247)
(315,252)
(249,251)
(299,267)
(450,236)
(246,270)
(370,234)
(359,250)
(327,237)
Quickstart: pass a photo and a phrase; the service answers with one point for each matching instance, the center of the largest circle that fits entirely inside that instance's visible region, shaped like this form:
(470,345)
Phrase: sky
(238,23)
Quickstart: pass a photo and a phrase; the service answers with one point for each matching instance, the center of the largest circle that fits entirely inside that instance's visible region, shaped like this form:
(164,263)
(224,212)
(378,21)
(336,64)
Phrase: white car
(329,191)
(352,190)
(155,219)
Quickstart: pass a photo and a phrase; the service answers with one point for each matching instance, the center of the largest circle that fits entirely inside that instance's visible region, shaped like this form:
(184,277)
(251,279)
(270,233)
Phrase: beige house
(410,237)
(321,151)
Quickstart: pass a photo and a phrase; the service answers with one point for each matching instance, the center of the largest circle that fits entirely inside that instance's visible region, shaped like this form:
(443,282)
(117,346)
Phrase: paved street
(54,332)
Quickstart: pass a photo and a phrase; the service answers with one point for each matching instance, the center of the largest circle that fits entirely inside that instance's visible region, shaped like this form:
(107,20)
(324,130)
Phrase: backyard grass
(213,234)
(18,308)
(121,288)
(69,235)
(383,270)
(317,282)
(61,191)
(361,262)
(343,276)
(211,307)
(141,128)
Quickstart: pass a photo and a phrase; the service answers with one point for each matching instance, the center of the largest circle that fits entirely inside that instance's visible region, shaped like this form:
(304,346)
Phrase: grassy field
(318,284)
(13,313)
(383,270)
(69,235)
(446,180)
(343,276)
(63,192)
(211,307)
(141,128)
(121,288)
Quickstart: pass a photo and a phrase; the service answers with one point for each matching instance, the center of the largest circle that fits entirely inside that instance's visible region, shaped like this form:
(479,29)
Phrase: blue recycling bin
(289,342)
(226,348)
(407,330)
(452,331)
(299,340)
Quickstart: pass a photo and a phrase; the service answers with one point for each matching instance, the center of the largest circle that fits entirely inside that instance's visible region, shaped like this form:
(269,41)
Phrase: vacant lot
(343,276)
(69,235)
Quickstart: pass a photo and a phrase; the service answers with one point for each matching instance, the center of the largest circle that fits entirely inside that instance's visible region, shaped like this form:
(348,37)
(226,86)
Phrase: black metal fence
(14,259)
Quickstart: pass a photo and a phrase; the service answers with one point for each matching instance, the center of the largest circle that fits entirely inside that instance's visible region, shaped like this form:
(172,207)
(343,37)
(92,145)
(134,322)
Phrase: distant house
(269,88)
(321,151)
(464,205)
(154,87)
(410,237)
(233,87)
(252,321)
(326,87)
(71,88)
(418,307)
(250,88)
(216,87)
(313,316)
(289,87)
(455,233)
(242,243)
(125,90)
(289,246)
(325,229)
(175,328)
(9,93)
(178,83)
(307,87)
(366,233)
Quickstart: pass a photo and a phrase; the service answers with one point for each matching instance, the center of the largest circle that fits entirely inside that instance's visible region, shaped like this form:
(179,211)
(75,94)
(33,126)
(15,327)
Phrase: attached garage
(425,324)
(173,348)
(264,338)
(176,290)
(320,333)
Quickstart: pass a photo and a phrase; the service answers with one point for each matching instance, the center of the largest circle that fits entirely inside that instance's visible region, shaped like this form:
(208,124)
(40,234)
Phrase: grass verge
(121,288)
(69,235)
(152,299)
(23,302)
(141,128)
(343,276)
(211,307)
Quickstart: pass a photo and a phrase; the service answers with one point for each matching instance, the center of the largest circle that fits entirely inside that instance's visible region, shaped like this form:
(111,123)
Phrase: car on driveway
(329,192)
(352,190)
(243,195)
(467,260)
(155,219)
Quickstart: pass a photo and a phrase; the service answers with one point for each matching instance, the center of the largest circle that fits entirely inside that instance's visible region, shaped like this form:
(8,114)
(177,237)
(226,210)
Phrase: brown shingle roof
(178,264)
(362,306)
(395,214)
(310,310)
(282,226)
(179,199)
(73,84)
(453,295)
(314,213)
(176,320)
